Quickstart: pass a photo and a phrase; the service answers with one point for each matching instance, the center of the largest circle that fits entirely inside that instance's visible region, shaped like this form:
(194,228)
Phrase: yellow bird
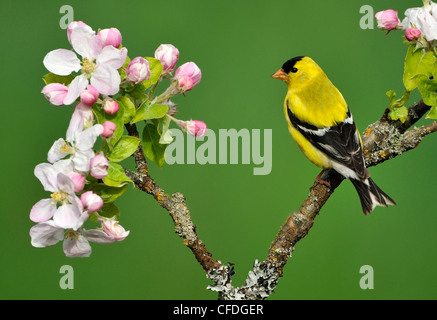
(320,122)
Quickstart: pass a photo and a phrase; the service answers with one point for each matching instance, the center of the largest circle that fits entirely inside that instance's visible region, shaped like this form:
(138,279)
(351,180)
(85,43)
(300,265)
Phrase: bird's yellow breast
(312,153)
(314,99)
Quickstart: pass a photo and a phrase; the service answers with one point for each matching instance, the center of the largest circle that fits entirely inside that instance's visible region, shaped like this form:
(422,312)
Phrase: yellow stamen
(88,67)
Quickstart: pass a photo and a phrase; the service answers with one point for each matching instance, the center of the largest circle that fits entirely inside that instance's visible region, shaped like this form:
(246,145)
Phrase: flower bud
(108,129)
(388,20)
(111,106)
(113,229)
(195,128)
(73,25)
(78,181)
(168,55)
(89,96)
(110,37)
(91,201)
(99,166)
(55,93)
(412,34)
(138,70)
(188,76)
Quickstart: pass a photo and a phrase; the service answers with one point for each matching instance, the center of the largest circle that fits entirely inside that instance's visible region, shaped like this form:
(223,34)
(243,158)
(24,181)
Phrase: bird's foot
(319,180)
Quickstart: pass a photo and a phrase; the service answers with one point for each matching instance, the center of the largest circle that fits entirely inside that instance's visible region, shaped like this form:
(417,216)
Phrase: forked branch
(383,140)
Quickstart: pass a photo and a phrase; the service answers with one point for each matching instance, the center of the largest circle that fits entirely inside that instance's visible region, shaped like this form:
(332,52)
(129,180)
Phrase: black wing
(340,142)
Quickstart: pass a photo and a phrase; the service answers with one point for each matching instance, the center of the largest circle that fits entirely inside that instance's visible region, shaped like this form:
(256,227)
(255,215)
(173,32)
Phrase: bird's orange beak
(280,74)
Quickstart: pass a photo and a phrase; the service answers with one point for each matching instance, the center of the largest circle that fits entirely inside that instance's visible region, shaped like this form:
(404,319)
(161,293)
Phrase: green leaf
(109,210)
(108,193)
(166,136)
(116,176)
(124,147)
(155,72)
(400,113)
(128,107)
(54,78)
(147,112)
(391,96)
(428,90)
(417,62)
(151,146)
(432,114)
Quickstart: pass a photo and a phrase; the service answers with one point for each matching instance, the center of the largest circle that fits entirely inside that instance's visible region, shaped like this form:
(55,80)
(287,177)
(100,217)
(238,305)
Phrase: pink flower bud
(55,93)
(89,96)
(188,76)
(388,20)
(412,34)
(113,229)
(110,37)
(78,181)
(111,106)
(108,129)
(91,201)
(138,70)
(99,166)
(168,55)
(195,128)
(73,25)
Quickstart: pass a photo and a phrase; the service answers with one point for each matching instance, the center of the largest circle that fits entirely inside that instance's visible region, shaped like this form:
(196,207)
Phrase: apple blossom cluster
(419,24)
(83,174)
(420,66)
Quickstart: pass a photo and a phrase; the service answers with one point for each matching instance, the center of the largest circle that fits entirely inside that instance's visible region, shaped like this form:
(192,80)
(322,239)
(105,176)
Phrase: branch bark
(383,140)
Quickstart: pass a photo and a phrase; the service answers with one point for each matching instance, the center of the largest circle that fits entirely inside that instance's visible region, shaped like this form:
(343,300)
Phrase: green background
(238,45)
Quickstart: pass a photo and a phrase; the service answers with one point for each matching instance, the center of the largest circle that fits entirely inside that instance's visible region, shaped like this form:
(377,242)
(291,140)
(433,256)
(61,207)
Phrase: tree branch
(382,140)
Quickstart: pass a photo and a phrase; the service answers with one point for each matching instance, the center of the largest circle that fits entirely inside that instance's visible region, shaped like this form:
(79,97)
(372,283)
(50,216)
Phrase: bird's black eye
(294,70)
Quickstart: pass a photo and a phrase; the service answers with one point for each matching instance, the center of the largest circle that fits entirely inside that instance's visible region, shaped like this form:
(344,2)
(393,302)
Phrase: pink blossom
(388,20)
(89,96)
(55,93)
(195,128)
(188,76)
(110,37)
(91,201)
(99,166)
(138,70)
(98,65)
(412,34)
(78,181)
(113,229)
(168,55)
(111,106)
(108,129)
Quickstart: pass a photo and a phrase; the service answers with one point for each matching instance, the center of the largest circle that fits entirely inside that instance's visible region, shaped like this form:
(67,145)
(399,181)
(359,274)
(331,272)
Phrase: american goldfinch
(321,124)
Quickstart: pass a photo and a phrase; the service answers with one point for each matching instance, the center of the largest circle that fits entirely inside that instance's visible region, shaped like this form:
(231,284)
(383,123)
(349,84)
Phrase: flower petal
(106,80)
(75,88)
(77,247)
(57,151)
(85,42)
(65,183)
(43,210)
(62,62)
(97,236)
(86,139)
(45,234)
(110,56)
(81,160)
(47,174)
(67,216)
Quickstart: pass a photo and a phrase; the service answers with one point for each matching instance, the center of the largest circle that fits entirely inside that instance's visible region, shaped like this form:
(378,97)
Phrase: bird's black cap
(289,64)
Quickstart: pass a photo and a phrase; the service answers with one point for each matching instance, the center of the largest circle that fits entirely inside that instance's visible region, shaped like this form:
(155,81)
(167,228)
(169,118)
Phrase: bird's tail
(371,195)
